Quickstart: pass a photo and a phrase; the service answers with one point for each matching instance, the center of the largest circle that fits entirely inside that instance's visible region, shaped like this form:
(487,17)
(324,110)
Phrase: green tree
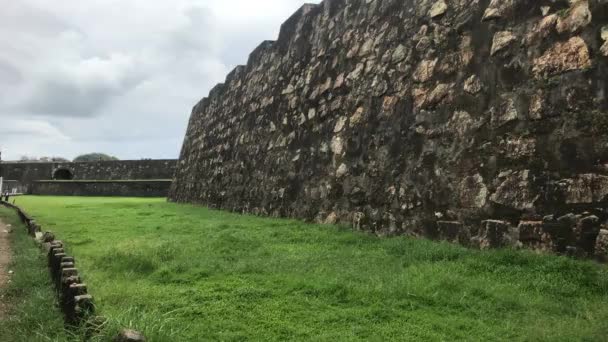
(94,157)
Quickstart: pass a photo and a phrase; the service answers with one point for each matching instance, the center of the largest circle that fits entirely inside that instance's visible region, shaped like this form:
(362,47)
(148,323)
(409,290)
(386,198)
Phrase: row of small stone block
(77,305)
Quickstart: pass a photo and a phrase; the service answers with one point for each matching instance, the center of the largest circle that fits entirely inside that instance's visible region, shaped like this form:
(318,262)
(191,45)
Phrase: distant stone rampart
(26,177)
(97,170)
(484,122)
(122,188)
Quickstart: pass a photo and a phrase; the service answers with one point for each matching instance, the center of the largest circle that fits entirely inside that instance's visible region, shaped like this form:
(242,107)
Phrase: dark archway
(63,174)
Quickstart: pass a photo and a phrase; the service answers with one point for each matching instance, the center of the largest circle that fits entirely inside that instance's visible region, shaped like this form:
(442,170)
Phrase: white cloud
(82,87)
(118,76)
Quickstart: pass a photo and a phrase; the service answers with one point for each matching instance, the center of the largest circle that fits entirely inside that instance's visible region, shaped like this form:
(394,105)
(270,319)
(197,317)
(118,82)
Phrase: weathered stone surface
(604,48)
(496,234)
(129,335)
(533,235)
(461,125)
(340,125)
(542,29)
(537,105)
(584,189)
(399,117)
(472,85)
(545,10)
(38,236)
(399,54)
(425,70)
(48,237)
(342,170)
(562,57)
(498,9)
(515,191)
(449,230)
(586,232)
(517,148)
(501,40)
(601,246)
(332,218)
(578,17)
(506,113)
(473,192)
(439,8)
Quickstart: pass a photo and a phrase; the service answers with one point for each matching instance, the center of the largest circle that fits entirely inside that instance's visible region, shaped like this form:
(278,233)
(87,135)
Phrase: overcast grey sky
(118,76)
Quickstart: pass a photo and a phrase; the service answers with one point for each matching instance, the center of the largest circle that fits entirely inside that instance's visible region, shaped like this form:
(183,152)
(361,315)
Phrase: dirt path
(5,258)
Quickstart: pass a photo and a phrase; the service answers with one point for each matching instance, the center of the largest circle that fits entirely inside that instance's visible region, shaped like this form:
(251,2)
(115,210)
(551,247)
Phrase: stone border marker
(76,303)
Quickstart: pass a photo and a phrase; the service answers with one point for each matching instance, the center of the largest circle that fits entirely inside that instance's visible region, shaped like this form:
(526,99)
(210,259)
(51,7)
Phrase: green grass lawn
(186,273)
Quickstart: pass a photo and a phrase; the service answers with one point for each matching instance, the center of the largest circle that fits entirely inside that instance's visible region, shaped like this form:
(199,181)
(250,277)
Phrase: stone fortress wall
(478,121)
(97,170)
(141,178)
(126,188)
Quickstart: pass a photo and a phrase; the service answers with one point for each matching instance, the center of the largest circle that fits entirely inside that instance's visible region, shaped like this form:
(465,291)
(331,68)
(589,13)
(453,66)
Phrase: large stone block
(450,230)
(601,245)
(532,234)
(515,191)
(584,189)
(562,57)
(496,234)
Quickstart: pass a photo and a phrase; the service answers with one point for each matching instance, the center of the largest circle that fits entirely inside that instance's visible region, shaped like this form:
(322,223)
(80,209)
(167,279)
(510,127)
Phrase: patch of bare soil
(5,258)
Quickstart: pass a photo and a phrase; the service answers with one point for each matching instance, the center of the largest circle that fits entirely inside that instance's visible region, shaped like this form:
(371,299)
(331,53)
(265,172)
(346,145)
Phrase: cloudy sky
(118,76)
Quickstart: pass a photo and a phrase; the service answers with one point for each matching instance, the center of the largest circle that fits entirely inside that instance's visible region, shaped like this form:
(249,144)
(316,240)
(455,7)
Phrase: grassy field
(186,273)
(33,314)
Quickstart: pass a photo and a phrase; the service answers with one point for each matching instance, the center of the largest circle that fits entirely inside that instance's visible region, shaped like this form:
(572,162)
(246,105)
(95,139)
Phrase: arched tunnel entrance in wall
(63,174)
